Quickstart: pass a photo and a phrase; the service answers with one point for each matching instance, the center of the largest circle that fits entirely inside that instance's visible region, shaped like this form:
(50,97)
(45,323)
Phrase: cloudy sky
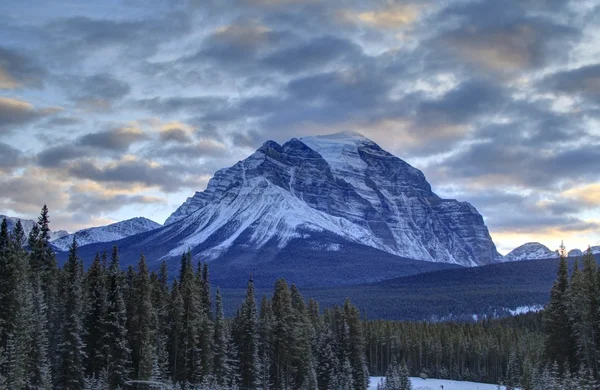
(116,109)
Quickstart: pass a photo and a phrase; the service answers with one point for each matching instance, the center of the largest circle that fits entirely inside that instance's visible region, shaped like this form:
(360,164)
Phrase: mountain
(113,232)
(28,225)
(342,184)
(575,253)
(578,252)
(531,251)
(327,209)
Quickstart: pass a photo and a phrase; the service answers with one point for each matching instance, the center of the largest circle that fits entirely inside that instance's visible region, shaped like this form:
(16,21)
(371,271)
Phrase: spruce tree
(265,346)
(144,324)
(282,336)
(160,303)
(72,347)
(96,313)
(189,358)
(248,340)
(556,318)
(220,364)
(40,370)
(115,345)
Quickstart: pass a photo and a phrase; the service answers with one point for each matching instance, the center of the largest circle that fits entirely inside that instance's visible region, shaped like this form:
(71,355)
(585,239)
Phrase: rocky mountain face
(531,251)
(28,225)
(341,186)
(112,232)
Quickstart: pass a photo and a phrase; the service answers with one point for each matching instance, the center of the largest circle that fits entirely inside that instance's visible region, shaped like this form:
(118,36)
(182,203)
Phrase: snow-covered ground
(436,384)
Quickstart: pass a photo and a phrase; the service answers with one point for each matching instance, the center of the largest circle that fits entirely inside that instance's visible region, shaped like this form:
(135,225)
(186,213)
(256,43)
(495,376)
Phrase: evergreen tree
(282,336)
(556,319)
(248,340)
(265,346)
(144,324)
(357,347)
(72,347)
(96,313)
(115,346)
(189,364)
(220,364)
(303,336)
(160,303)
(40,370)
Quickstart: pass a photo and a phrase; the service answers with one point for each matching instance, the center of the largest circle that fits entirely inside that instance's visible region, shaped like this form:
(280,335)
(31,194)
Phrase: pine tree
(191,363)
(115,345)
(303,335)
(512,372)
(248,340)
(72,347)
(556,319)
(160,303)
(265,346)
(19,313)
(357,347)
(220,364)
(144,324)
(282,336)
(40,372)
(207,328)
(97,302)
(328,368)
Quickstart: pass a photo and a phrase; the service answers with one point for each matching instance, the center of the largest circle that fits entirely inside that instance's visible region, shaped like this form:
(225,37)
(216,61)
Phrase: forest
(108,328)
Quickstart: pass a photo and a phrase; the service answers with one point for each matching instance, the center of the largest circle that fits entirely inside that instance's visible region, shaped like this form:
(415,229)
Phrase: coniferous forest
(109,328)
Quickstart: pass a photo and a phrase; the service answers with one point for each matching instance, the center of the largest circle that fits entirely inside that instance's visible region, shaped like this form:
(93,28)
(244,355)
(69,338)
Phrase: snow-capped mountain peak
(28,225)
(112,232)
(531,251)
(341,184)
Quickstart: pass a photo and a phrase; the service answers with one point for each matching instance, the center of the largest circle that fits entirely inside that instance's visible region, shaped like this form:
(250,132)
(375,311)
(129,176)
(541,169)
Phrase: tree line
(105,328)
(556,349)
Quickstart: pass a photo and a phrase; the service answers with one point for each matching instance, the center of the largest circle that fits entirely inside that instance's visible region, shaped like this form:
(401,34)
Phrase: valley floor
(436,384)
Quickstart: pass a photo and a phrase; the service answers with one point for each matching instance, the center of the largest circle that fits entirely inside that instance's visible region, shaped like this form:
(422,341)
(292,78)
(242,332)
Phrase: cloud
(19,71)
(118,139)
(21,193)
(54,156)
(10,158)
(583,81)
(129,172)
(391,17)
(313,54)
(15,113)
(99,203)
(174,105)
(589,194)
(97,92)
(505,37)
(175,134)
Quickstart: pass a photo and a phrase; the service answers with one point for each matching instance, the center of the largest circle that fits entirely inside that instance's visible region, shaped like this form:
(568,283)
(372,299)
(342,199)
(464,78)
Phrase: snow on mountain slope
(28,225)
(578,252)
(575,253)
(342,184)
(113,232)
(530,251)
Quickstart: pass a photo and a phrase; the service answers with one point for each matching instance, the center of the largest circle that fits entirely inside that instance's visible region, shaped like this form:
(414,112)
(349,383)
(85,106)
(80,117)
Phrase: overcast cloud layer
(110,110)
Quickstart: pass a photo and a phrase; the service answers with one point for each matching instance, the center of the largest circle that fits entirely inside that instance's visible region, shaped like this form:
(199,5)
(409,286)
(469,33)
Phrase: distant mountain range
(28,225)
(536,251)
(61,240)
(108,233)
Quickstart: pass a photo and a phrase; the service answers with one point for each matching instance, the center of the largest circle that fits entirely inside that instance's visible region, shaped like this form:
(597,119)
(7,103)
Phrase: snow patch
(436,384)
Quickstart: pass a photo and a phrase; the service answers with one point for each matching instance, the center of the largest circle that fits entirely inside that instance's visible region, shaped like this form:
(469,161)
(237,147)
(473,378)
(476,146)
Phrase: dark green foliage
(72,346)
(556,319)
